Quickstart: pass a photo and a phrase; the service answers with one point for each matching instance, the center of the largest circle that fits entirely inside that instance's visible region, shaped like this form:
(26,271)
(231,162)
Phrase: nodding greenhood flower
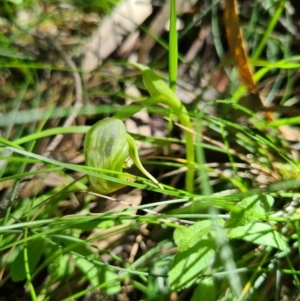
(107,145)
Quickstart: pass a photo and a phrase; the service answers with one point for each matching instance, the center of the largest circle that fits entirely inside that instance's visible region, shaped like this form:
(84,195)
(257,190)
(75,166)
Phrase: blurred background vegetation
(64,66)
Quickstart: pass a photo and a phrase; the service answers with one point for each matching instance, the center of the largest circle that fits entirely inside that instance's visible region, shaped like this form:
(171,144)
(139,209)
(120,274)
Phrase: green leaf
(260,233)
(60,268)
(99,276)
(195,252)
(35,249)
(54,266)
(111,278)
(186,238)
(205,290)
(187,265)
(256,204)
(267,202)
(88,269)
(179,234)
(157,87)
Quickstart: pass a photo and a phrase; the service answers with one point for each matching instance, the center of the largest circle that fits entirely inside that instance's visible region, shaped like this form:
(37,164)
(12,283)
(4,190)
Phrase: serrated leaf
(205,290)
(187,265)
(260,233)
(35,249)
(186,238)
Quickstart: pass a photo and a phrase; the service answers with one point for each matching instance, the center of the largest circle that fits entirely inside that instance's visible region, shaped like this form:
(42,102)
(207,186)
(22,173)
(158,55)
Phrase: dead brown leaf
(237,49)
(236,44)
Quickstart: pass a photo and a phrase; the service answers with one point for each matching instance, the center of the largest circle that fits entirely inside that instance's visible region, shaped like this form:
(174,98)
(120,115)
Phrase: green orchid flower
(107,145)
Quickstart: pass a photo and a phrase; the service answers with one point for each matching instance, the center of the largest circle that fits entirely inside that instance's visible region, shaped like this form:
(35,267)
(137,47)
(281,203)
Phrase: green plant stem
(161,93)
(27,268)
(184,119)
(182,114)
(157,87)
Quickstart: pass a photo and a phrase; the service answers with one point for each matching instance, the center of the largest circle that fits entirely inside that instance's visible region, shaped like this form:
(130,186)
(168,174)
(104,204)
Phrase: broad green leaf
(260,233)
(179,234)
(267,201)
(187,265)
(256,204)
(35,249)
(205,290)
(185,238)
